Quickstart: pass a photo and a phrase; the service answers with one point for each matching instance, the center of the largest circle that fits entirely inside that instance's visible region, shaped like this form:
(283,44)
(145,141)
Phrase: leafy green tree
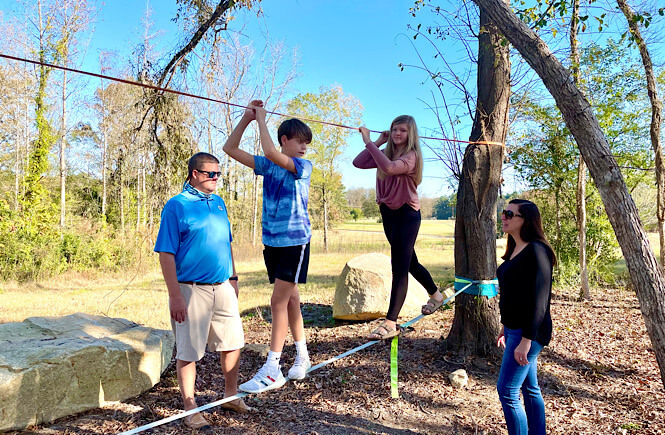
(326,191)
(365,199)
(47,52)
(546,157)
(646,276)
(356,214)
(370,208)
(634,20)
(444,207)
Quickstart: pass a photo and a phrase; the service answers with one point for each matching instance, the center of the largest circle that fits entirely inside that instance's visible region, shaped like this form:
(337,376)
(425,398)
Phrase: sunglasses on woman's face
(509,214)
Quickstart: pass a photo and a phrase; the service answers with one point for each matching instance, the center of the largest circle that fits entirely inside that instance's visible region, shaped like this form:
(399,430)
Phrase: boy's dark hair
(197,160)
(294,128)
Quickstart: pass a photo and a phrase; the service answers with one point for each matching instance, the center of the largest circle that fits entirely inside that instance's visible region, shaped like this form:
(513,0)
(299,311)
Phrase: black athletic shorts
(288,263)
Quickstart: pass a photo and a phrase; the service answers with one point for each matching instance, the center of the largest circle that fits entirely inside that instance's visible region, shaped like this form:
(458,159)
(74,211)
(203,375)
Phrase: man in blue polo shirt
(194,246)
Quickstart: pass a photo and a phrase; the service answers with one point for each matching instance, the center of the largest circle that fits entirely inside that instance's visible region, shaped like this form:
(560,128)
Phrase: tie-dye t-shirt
(285,196)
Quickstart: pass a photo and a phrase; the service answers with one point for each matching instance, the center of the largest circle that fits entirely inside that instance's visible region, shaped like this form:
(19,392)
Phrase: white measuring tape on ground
(311,369)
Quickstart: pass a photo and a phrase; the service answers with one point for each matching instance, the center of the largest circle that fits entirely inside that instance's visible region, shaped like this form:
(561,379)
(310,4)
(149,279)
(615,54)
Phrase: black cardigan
(525,284)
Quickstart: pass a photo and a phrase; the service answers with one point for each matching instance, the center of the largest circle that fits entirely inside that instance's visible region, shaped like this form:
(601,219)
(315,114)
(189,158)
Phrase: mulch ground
(598,376)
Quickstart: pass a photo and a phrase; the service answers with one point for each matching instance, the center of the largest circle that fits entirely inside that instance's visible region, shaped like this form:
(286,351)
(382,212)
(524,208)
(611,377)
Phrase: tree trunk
(63,147)
(144,193)
(102,95)
(217,14)
(255,207)
(647,278)
(17,171)
(557,216)
(38,164)
(325,220)
(476,322)
(255,191)
(104,156)
(138,192)
(121,162)
(656,120)
(585,291)
(580,197)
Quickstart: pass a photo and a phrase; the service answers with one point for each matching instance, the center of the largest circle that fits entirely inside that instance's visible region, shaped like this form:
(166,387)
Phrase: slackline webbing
(311,369)
(479,287)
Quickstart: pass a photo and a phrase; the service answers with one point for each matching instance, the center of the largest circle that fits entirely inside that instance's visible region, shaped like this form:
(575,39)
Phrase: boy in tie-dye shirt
(286,234)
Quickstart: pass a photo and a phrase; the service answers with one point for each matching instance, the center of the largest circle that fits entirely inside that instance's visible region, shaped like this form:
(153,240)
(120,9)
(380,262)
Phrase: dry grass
(140,294)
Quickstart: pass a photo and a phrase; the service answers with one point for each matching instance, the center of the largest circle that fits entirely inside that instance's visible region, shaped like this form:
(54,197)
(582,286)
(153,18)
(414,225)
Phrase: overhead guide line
(186,94)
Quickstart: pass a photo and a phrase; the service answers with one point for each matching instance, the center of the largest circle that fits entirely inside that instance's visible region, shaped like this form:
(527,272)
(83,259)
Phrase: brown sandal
(237,405)
(196,421)
(383,333)
(431,306)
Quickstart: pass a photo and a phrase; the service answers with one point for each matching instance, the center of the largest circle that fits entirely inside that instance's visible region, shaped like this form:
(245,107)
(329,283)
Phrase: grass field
(140,294)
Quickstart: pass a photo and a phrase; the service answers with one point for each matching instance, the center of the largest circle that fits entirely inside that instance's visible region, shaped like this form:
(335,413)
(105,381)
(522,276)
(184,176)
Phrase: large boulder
(51,367)
(363,290)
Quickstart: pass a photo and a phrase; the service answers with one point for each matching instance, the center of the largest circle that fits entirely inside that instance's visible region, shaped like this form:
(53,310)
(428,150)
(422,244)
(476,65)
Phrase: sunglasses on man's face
(210,174)
(509,214)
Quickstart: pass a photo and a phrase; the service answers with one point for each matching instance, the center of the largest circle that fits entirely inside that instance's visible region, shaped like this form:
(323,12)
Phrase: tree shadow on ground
(314,316)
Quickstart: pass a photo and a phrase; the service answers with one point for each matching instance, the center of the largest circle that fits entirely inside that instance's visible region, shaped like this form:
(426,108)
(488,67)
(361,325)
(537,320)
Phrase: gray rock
(257,348)
(363,290)
(51,367)
(459,378)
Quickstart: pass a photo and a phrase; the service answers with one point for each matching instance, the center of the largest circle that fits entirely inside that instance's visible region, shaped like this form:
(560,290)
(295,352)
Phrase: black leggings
(401,227)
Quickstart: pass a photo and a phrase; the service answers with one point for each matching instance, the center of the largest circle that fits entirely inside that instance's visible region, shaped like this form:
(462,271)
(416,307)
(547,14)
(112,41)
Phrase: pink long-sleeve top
(398,187)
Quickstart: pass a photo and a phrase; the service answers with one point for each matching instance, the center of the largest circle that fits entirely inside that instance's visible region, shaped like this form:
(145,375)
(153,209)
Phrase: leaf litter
(598,376)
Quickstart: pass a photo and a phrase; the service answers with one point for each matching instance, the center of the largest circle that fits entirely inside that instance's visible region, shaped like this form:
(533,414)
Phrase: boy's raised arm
(269,150)
(232,145)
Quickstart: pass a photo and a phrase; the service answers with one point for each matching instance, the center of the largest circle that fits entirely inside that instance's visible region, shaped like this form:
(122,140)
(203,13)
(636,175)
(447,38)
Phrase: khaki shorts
(212,318)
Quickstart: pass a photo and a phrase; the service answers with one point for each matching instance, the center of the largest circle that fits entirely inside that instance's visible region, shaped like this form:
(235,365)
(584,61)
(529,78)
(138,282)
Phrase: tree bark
(222,7)
(476,323)
(647,278)
(324,196)
(63,149)
(38,162)
(102,94)
(656,120)
(585,292)
(255,192)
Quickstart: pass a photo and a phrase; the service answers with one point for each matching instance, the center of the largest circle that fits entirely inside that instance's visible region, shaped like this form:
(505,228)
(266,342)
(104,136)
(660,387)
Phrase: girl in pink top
(399,172)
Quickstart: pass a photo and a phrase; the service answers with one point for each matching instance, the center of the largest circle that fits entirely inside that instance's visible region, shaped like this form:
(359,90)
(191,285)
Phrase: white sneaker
(263,381)
(300,367)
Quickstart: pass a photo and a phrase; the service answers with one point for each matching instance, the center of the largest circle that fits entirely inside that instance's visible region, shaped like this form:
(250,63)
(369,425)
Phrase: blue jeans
(530,417)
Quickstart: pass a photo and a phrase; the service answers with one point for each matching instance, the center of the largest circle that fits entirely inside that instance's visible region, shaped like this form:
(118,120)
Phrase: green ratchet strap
(393,368)
(482,287)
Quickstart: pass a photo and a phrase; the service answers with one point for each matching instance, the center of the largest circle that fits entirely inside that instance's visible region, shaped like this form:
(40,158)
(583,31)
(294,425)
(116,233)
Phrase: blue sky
(358,45)
(355,44)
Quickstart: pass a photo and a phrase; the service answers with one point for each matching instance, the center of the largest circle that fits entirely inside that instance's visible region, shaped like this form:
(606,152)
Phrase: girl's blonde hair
(413,143)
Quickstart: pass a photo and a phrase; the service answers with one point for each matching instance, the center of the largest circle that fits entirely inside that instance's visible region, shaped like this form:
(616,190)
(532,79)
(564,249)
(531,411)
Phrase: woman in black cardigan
(525,283)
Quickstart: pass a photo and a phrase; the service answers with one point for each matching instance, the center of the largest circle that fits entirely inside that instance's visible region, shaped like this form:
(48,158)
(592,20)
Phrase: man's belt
(199,283)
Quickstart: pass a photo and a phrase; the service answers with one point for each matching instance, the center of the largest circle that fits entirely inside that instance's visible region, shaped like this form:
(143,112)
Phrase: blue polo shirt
(196,229)
(285,220)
